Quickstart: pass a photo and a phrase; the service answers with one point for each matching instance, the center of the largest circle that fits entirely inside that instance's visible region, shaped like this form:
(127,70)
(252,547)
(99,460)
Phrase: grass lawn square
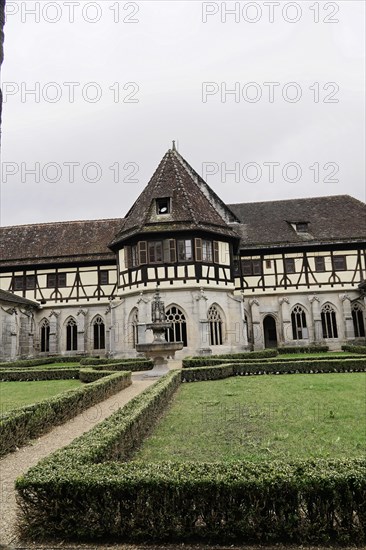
(260,418)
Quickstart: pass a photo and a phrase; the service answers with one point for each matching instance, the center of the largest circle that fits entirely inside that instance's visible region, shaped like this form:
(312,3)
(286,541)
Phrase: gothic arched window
(45,335)
(71,335)
(298,321)
(178,330)
(98,333)
(329,322)
(215,327)
(358,320)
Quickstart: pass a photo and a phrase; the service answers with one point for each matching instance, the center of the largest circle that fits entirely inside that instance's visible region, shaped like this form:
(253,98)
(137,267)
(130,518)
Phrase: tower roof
(190,204)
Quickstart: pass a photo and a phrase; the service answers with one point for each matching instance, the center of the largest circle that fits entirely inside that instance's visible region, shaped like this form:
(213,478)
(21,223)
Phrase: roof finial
(173,148)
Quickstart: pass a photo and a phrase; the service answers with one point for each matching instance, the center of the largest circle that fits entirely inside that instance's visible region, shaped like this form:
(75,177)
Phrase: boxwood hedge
(195,362)
(38,362)
(27,375)
(355,349)
(141,362)
(19,425)
(286,367)
(303,349)
(85,492)
(91,375)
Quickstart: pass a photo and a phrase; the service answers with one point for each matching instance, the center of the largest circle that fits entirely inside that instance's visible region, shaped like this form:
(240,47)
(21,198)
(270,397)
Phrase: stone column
(143,304)
(81,320)
(258,336)
(285,337)
(204,326)
(315,328)
(14,333)
(54,332)
(349,330)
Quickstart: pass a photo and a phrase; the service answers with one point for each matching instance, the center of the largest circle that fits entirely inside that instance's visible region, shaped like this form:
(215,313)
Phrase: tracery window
(71,335)
(358,320)
(45,336)
(178,330)
(98,333)
(215,326)
(329,322)
(298,321)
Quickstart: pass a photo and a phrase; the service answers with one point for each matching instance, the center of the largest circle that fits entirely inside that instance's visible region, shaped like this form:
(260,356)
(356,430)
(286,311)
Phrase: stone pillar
(258,336)
(204,326)
(31,335)
(81,320)
(54,333)
(349,330)
(143,304)
(14,333)
(315,328)
(285,336)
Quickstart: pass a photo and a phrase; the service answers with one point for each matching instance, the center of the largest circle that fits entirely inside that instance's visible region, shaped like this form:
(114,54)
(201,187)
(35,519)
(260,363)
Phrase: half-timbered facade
(233,277)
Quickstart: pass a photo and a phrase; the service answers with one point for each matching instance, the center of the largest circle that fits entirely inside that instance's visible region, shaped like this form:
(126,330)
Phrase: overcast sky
(144,73)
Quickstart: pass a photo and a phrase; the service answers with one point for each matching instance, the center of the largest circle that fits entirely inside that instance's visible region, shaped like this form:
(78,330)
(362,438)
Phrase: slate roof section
(338,218)
(57,243)
(191,207)
(9,297)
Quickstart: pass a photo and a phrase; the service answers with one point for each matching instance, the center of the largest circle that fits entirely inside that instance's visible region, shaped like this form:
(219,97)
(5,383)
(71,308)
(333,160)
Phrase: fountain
(159,350)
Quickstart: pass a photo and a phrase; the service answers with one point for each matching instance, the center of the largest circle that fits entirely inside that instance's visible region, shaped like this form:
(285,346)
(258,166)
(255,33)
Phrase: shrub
(354,349)
(319,501)
(38,374)
(147,364)
(303,349)
(104,361)
(200,360)
(272,367)
(208,361)
(19,425)
(91,375)
(24,363)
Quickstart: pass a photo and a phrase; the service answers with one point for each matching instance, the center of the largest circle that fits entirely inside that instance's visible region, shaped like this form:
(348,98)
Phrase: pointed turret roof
(193,205)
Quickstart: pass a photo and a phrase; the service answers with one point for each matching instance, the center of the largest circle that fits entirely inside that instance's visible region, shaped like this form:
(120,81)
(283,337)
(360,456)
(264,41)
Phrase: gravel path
(17,463)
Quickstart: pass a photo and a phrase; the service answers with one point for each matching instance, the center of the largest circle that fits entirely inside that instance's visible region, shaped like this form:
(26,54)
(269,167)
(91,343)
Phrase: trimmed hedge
(104,361)
(311,502)
(147,364)
(28,375)
(91,375)
(24,363)
(287,367)
(200,362)
(355,349)
(303,349)
(19,425)
(78,493)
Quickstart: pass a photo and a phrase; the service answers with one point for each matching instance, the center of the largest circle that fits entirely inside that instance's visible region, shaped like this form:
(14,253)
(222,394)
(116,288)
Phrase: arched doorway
(270,332)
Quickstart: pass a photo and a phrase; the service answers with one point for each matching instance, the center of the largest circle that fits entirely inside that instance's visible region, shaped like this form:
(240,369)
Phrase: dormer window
(163,206)
(302,227)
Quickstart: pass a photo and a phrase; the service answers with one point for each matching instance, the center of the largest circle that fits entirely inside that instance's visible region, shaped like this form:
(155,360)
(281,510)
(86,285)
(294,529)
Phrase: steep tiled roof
(13,298)
(337,218)
(58,242)
(193,207)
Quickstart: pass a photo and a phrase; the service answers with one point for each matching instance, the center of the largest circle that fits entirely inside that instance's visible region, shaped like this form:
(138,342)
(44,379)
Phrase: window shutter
(216,252)
(198,249)
(128,257)
(142,248)
(172,251)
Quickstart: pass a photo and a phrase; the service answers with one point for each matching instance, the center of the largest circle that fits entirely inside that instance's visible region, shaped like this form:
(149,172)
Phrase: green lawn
(263,418)
(17,394)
